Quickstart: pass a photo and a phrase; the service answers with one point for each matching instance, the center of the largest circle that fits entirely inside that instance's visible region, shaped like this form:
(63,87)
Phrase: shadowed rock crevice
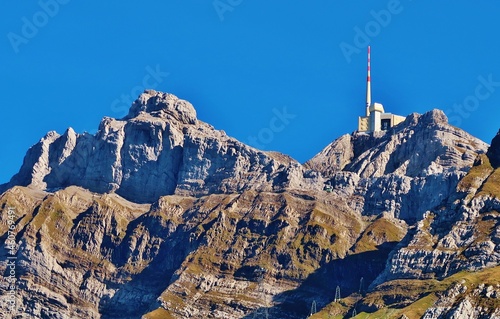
(494,151)
(320,287)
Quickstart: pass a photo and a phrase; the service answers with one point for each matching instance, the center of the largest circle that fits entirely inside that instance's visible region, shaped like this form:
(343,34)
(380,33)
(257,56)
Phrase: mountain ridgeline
(160,215)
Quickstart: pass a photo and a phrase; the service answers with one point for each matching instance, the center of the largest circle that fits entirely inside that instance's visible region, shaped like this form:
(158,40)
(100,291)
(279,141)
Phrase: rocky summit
(158,149)
(160,215)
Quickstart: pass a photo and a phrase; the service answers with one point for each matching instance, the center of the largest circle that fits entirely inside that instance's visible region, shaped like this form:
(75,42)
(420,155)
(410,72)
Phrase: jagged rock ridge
(396,171)
(159,148)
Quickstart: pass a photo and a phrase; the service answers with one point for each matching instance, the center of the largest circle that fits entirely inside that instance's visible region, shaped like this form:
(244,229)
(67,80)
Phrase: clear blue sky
(241,61)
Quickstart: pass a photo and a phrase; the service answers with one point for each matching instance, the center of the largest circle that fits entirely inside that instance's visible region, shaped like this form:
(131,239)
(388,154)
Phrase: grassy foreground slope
(413,297)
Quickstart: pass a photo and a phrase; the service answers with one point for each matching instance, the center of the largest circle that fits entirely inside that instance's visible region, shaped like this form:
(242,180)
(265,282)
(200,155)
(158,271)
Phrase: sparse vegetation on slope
(413,298)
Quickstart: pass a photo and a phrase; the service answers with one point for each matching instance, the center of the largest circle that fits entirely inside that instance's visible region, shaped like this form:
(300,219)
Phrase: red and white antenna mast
(368,86)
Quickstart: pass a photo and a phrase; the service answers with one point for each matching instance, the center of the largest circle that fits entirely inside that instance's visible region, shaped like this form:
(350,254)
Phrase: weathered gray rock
(449,239)
(163,105)
(87,255)
(395,171)
(458,302)
(160,148)
(401,150)
(334,157)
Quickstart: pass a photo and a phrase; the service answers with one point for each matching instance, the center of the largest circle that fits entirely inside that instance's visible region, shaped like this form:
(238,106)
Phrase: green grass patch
(159,313)
(412,297)
(380,231)
(492,185)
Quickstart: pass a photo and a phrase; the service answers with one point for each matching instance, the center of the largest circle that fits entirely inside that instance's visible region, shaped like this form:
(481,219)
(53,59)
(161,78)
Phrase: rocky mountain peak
(402,149)
(433,117)
(163,105)
(158,149)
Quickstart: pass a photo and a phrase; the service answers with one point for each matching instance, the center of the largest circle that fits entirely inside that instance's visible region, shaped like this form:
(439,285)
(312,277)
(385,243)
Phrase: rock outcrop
(159,148)
(465,304)
(395,171)
(461,233)
(401,150)
(85,255)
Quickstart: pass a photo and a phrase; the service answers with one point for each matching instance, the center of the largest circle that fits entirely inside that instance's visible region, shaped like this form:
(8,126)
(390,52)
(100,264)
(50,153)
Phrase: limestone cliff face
(86,255)
(459,234)
(405,171)
(457,242)
(159,148)
(422,145)
(159,215)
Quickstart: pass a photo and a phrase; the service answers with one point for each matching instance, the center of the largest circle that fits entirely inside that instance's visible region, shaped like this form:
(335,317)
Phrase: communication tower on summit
(375,118)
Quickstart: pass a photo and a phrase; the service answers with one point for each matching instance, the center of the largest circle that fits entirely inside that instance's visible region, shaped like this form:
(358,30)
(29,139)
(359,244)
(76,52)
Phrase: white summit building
(376,119)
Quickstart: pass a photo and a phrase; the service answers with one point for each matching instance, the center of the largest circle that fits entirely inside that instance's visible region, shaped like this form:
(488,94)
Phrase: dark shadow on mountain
(320,286)
(139,295)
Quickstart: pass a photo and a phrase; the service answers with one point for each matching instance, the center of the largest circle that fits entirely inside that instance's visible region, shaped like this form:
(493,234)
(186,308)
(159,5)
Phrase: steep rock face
(85,255)
(395,171)
(160,148)
(334,157)
(494,151)
(163,105)
(401,149)
(466,304)
(460,234)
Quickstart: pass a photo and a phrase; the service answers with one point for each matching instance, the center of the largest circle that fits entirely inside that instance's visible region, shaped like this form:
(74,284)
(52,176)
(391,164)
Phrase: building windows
(386,124)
